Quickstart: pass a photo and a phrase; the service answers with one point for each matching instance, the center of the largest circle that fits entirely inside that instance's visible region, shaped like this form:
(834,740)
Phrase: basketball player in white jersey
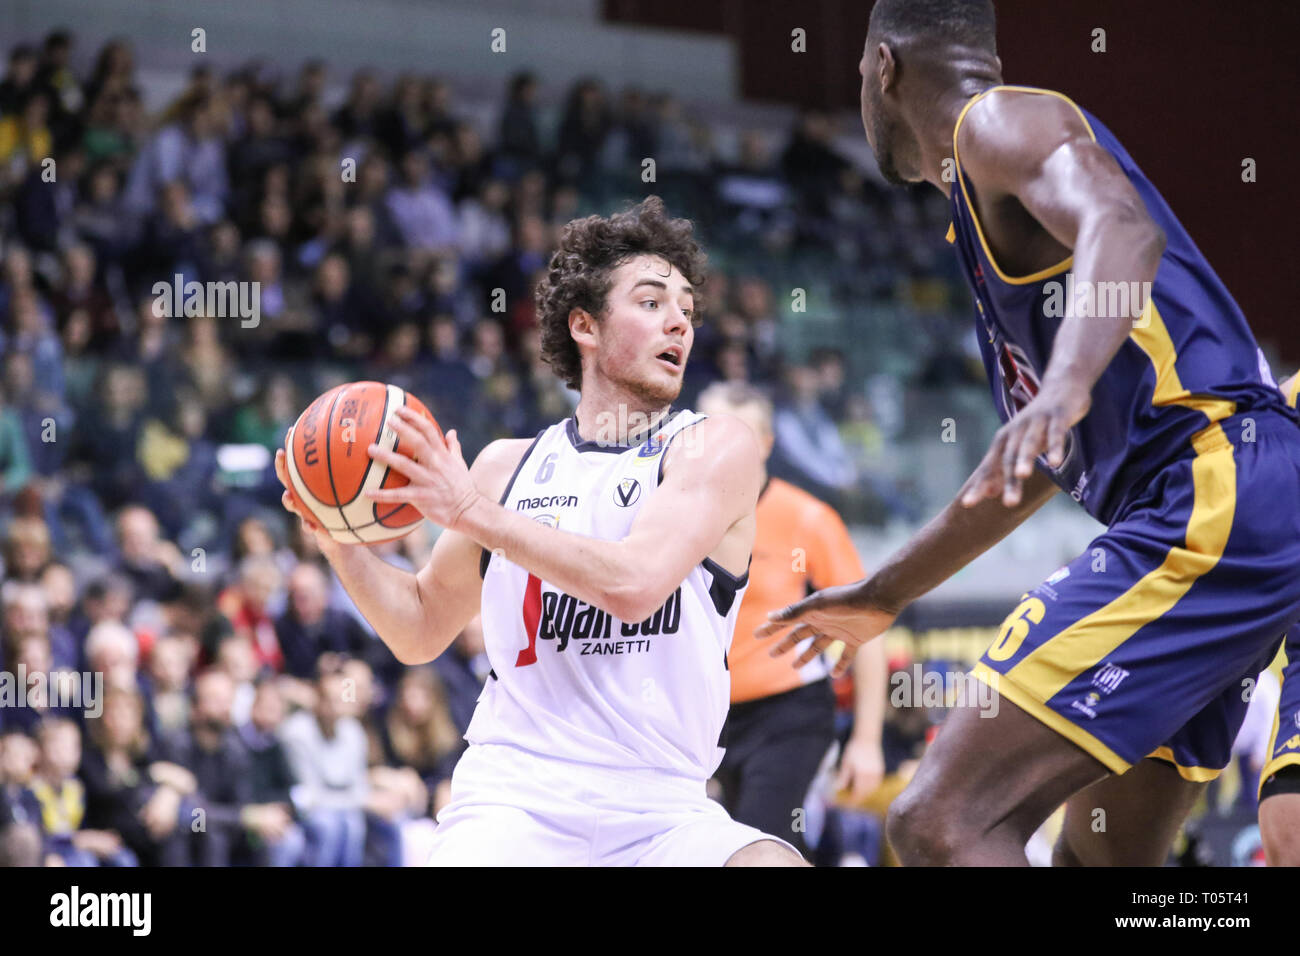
(608,557)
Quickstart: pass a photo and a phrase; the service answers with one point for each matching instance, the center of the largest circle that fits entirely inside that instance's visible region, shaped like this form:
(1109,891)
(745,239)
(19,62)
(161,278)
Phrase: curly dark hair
(579,275)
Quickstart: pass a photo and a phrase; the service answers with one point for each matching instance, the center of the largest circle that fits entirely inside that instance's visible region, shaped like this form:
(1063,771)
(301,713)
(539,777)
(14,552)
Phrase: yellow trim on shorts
(1024,699)
(1275,764)
(1045,671)
(1295,381)
(1064,264)
(1194,774)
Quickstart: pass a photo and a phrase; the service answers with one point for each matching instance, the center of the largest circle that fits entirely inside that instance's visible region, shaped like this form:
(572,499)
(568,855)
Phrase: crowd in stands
(248,713)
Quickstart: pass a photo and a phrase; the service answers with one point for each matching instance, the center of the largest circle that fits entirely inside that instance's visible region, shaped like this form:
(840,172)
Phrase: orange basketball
(330,471)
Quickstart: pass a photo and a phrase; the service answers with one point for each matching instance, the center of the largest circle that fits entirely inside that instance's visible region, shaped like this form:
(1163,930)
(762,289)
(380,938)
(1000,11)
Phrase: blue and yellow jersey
(1189,361)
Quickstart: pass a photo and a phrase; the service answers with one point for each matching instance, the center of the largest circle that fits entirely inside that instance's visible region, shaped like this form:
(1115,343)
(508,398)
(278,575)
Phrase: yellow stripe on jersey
(1152,337)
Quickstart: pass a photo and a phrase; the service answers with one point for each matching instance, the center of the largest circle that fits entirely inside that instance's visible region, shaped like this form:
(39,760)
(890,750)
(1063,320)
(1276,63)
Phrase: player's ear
(888,70)
(583,327)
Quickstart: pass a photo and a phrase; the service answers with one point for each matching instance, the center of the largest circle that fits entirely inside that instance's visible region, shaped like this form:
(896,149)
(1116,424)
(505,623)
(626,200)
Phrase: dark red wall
(1191,87)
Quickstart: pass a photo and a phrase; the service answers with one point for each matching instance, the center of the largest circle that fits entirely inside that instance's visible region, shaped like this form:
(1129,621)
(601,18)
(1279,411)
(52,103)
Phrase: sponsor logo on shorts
(1293,743)
(1088,709)
(1109,677)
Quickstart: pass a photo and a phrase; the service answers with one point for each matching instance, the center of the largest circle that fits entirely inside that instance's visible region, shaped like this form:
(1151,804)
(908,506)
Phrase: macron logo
(103,909)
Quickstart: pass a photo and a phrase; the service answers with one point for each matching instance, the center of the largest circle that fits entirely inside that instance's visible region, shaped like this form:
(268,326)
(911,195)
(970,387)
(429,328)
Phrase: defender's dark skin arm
(855,613)
(1044,188)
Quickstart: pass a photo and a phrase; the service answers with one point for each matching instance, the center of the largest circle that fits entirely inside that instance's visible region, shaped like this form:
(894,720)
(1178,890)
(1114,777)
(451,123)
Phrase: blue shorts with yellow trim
(1284,744)
(1149,643)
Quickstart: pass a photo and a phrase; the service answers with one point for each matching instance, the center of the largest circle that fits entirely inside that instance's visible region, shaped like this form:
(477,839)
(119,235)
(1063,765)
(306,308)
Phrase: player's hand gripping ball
(329,471)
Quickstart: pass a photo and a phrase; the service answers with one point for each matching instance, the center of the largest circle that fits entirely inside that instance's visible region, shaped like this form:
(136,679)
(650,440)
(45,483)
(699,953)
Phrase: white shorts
(511,807)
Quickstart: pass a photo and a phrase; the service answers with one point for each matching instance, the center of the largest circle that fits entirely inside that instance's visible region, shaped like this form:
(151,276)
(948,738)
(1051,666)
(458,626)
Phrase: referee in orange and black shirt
(782,720)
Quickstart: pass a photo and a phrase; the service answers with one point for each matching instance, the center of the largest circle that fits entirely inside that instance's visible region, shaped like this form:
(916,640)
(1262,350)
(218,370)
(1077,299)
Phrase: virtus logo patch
(627,492)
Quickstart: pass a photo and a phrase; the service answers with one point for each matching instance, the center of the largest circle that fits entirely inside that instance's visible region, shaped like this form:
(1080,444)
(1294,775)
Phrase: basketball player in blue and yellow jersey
(1123,677)
(1279,779)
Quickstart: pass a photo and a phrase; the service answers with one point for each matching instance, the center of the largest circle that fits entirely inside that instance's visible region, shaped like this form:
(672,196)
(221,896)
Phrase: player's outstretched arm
(708,487)
(418,615)
(1036,151)
(856,613)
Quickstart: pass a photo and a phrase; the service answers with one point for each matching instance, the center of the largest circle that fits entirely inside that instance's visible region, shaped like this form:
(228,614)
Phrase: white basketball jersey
(570,680)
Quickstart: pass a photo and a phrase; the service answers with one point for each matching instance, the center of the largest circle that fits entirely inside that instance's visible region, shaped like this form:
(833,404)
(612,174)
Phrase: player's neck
(611,416)
(944,106)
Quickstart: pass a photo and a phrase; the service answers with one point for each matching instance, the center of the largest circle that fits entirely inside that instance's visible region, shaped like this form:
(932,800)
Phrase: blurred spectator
(112,650)
(15,460)
(309,627)
(483,231)
(247,604)
(98,218)
(327,752)
(237,659)
(422,213)
(583,128)
(127,792)
(145,558)
(168,682)
(807,442)
(26,549)
(58,79)
(356,118)
(189,152)
(518,138)
(62,799)
(25,137)
(811,164)
(110,433)
(59,588)
(19,80)
(210,750)
(20,811)
(276,839)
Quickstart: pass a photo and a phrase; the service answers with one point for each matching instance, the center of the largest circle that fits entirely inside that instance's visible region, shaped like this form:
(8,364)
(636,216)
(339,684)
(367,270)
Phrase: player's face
(881,127)
(647,332)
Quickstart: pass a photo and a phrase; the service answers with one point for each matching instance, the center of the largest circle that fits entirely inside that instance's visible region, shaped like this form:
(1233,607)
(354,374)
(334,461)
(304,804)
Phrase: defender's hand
(835,614)
(1041,426)
(440,486)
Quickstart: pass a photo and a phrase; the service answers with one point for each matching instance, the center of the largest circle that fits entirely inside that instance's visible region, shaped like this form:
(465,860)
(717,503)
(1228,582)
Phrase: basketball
(330,471)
